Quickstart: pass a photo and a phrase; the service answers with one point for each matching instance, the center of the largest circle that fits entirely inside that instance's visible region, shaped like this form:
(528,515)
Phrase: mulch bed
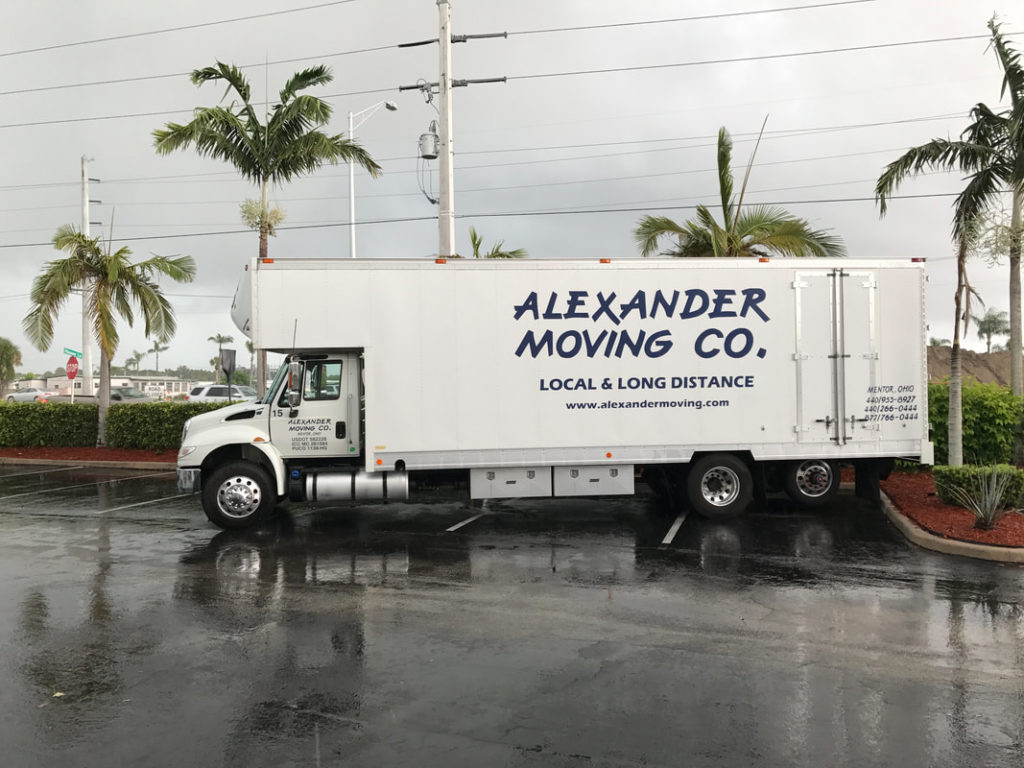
(87,454)
(913,493)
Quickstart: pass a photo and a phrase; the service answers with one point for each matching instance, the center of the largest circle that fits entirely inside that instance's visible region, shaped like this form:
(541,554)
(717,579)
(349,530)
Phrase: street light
(362,116)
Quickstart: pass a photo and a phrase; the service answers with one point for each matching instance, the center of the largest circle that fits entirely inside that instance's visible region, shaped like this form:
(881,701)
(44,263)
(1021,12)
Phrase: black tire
(238,495)
(811,483)
(720,486)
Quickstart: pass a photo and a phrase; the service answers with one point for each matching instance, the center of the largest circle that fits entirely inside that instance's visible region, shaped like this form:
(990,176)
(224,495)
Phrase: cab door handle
(339,430)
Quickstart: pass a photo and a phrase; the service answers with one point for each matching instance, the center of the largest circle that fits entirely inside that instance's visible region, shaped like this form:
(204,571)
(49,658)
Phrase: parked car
(218,393)
(30,395)
(130,395)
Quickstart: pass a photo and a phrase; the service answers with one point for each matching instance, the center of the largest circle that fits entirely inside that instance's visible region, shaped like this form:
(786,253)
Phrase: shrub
(979,480)
(988,492)
(990,417)
(60,424)
(151,426)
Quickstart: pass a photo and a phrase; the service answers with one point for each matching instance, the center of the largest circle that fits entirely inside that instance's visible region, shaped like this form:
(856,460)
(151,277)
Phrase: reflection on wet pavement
(542,633)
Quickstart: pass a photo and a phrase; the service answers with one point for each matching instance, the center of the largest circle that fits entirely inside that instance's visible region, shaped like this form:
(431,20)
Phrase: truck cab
(303,441)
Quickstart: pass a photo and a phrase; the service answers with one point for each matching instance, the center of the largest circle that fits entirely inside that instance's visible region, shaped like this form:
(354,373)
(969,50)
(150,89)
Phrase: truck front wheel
(238,495)
(720,486)
(811,483)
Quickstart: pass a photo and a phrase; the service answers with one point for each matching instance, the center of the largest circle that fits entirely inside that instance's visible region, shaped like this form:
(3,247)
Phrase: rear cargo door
(836,355)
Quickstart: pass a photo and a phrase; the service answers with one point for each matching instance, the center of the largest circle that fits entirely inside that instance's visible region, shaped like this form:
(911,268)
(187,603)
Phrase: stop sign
(72,367)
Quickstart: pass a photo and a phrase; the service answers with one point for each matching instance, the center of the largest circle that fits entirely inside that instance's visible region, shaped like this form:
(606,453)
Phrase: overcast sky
(560,160)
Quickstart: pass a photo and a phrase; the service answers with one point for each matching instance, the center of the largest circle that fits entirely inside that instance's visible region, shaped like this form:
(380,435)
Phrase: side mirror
(294,383)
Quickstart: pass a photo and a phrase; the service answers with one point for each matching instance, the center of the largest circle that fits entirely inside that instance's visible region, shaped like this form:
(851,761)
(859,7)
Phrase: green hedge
(990,417)
(970,478)
(60,424)
(150,426)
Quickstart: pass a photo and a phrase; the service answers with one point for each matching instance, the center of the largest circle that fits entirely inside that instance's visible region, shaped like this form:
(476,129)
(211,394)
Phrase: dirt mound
(976,366)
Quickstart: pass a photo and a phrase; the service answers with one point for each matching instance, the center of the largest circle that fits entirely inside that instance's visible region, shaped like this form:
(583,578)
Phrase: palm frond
(307,78)
(651,229)
(725,180)
(1009,60)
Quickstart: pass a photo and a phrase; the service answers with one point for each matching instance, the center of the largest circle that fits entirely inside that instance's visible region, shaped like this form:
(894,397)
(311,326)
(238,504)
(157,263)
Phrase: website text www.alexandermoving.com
(696,404)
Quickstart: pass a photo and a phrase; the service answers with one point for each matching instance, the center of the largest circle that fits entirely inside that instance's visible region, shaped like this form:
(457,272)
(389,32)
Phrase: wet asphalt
(542,633)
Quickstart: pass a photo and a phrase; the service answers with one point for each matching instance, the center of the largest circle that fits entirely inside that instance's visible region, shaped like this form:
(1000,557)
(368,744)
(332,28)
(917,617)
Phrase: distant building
(156,386)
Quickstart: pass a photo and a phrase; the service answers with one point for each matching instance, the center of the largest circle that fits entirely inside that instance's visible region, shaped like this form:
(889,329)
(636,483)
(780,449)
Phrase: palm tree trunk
(955,423)
(104,400)
(261,354)
(1016,347)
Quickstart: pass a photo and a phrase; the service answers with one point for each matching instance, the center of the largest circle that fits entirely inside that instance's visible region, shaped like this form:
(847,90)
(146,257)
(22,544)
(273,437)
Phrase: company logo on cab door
(659,311)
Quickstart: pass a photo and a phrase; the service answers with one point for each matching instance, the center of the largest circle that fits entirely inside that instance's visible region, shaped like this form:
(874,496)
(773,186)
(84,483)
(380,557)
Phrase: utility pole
(443,88)
(87,383)
(446,210)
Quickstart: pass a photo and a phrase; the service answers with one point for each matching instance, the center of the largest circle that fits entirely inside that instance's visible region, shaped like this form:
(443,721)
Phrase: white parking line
(41,472)
(673,530)
(84,485)
(142,503)
(467,521)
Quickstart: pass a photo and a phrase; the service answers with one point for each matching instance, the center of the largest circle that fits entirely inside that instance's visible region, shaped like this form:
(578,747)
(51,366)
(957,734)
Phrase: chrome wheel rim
(239,496)
(720,486)
(814,478)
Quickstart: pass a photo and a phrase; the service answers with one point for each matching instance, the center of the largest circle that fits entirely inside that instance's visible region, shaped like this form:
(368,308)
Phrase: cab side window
(322,381)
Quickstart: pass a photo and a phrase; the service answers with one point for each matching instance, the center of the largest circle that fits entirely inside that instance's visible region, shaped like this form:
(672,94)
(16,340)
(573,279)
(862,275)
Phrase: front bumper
(189,479)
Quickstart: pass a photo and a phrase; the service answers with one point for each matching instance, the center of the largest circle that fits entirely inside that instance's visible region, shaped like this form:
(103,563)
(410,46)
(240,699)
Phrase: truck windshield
(282,373)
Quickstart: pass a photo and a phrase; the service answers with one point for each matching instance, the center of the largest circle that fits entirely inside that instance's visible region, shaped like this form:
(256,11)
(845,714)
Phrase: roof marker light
(440,261)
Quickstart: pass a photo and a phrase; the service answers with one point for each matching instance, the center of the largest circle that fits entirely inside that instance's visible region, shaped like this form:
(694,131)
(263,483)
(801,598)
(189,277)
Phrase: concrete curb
(922,538)
(155,465)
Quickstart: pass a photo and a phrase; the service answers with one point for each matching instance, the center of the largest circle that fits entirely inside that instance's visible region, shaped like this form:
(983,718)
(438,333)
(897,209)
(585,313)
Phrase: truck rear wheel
(720,486)
(238,495)
(811,483)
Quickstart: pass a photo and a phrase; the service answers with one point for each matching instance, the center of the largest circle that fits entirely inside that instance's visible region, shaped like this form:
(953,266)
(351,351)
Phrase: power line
(542,75)
(386,47)
(591,27)
(498,214)
(152,32)
(741,59)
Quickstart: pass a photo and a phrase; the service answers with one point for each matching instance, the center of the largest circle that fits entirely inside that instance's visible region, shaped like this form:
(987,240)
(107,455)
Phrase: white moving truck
(711,379)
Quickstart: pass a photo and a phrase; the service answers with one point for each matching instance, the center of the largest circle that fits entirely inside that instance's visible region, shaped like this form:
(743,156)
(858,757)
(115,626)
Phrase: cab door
(325,423)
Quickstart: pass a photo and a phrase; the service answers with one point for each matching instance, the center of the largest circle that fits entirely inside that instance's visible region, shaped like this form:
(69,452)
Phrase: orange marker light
(608,455)
(440,261)
(606,261)
(267,261)
(764,259)
(379,462)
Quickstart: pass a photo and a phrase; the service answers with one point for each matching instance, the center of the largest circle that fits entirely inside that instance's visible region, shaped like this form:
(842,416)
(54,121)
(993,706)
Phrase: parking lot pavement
(544,632)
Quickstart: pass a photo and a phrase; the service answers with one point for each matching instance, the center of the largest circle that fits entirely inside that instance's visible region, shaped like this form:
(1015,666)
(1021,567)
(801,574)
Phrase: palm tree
(287,145)
(112,285)
(156,350)
(990,153)
(220,341)
(761,231)
(10,356)
(994,323)
(496,252)
(136,359)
